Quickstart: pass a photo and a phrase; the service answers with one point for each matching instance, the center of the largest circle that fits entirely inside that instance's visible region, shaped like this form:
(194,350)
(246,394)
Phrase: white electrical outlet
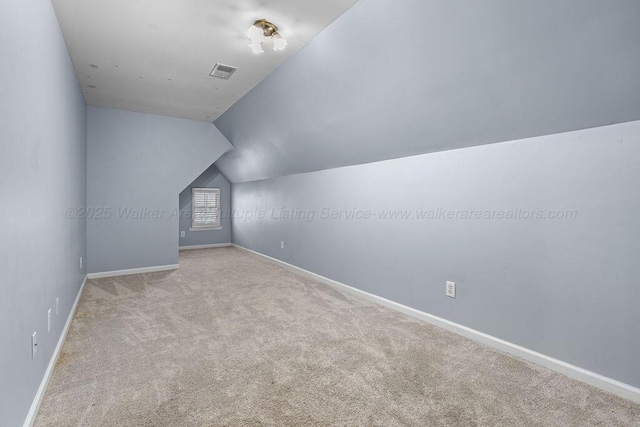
(80,263)
(57,306)
(281,244)
(49,320)
(34,345)
(450,289)
(182,234)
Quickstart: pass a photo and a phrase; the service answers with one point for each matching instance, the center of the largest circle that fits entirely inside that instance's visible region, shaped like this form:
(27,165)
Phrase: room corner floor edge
(209,246)
(37,400)
(130,271)
(601,382)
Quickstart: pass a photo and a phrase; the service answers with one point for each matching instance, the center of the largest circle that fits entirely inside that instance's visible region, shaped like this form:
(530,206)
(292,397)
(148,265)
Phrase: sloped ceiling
(397,78)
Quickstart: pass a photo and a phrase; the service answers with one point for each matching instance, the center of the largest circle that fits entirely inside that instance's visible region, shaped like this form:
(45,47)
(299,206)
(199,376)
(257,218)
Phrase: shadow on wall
(541,237)
(210,178)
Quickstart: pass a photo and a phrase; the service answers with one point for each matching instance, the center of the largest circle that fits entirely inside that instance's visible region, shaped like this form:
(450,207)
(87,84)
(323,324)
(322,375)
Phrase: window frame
(205,227)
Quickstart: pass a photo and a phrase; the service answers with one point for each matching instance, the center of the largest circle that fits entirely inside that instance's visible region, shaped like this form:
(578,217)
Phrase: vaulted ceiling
(396,78)
(388,78)
(155,56)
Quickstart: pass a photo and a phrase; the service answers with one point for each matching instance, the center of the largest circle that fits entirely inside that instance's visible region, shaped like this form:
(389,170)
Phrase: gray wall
(137,166)
(211,178)
(42,174)
(566,288)
(392,78)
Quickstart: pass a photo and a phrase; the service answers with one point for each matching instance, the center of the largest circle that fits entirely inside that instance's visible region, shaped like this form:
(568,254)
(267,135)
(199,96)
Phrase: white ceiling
(155,56)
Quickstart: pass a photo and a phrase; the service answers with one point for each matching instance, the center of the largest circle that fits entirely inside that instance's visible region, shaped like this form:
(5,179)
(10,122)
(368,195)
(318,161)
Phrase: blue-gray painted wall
(42,174)
(137,166)
(211,178)
(393,78)
(565,288)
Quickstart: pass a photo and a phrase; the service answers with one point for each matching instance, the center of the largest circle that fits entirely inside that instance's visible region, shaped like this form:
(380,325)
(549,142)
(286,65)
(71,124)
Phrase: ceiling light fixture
(262,30)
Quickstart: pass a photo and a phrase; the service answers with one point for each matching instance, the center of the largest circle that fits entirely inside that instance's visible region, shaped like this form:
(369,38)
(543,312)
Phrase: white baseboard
(35,406)
(213,245)
(132,271)
(604,383)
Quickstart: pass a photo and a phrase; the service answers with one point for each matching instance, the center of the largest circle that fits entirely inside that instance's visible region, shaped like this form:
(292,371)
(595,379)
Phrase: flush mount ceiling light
(262,30)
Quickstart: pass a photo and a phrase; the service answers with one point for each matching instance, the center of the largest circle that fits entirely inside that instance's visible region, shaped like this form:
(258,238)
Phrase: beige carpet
(231,339)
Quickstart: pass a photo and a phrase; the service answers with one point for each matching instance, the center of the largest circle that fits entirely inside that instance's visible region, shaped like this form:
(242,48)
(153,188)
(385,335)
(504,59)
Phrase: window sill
(204,228)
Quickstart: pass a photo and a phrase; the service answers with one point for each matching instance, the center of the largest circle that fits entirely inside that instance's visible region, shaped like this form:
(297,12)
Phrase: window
(205,209)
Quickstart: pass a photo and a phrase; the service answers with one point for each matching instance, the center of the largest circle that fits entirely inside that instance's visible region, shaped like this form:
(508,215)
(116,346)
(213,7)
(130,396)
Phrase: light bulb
(279,43)
(256,47)
(256,34)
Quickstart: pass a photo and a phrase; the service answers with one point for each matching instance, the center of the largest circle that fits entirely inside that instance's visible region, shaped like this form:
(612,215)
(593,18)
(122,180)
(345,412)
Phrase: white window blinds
(205,208)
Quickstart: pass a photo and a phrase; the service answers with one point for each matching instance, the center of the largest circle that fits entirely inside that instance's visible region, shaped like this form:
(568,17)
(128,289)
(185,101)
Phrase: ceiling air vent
(223,71)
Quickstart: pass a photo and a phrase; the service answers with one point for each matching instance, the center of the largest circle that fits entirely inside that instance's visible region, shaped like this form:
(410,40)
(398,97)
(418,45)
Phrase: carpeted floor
(231,339)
